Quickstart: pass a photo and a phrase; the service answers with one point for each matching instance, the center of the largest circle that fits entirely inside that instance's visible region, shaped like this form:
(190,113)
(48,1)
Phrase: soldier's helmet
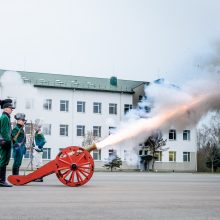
(20,116)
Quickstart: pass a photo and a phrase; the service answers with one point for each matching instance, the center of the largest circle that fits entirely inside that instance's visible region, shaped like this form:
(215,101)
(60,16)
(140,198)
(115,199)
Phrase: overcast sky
(130,39)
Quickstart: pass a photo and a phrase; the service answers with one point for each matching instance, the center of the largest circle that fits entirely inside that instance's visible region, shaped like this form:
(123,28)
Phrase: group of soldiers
(15,139)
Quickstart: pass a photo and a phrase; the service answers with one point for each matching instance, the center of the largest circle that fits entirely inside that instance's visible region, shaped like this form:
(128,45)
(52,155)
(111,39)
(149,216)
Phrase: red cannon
(74,166)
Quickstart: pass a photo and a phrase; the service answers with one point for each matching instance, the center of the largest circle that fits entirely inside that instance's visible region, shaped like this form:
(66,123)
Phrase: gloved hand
(38,149)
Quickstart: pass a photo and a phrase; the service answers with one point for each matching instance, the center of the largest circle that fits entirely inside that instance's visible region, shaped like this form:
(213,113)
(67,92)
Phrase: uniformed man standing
(40,141)
(19,141)
(5,141)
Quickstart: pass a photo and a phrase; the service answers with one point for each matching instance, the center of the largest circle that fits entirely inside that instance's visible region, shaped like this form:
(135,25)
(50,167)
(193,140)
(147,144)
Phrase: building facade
(70,107)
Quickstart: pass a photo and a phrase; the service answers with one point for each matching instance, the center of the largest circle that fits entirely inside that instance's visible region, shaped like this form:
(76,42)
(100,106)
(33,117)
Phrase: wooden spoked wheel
(74,166)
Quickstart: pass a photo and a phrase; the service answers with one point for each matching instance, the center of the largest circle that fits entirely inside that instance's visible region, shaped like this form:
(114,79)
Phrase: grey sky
(131,39)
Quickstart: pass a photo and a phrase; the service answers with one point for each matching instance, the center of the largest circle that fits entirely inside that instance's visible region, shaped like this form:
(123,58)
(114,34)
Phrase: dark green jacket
(39,140)
(21,139)
(5,127)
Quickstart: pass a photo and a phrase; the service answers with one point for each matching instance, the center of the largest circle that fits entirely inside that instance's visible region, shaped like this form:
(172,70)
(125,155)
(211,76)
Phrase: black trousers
(5,155)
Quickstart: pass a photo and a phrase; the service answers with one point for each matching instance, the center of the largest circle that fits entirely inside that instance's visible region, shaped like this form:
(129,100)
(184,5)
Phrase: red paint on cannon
(74,166)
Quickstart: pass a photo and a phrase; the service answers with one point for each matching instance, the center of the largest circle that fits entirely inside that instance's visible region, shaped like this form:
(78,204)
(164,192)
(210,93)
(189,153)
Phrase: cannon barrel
(91,148)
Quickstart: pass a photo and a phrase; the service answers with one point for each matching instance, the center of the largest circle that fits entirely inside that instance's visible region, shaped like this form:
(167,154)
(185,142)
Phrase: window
(47,129)
(46,153)
(143,152)
(111,130)
(125,155)
(29,140)
(80,130)
(97,154)
(158,155)
(27,154)
(172,156)
(29,103)
(81,106)
(97,107)
(64,130)
(47,104)
(172,134)
(29,128)
(186,135)
(64,105)
(97,131)
(147,109)
(127,107)
(112,152)
(113,109)
(186,156)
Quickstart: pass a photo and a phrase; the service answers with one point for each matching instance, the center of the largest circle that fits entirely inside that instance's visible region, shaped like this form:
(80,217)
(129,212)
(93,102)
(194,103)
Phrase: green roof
(50,80)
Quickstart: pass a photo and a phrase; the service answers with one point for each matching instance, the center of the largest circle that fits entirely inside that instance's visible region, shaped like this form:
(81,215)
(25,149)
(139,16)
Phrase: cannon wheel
(74,166)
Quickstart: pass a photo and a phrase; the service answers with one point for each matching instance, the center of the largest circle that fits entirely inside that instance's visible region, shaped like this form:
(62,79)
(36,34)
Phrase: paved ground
(117,195)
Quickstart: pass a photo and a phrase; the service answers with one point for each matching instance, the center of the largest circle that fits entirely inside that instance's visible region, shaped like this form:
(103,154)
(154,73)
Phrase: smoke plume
(172,107)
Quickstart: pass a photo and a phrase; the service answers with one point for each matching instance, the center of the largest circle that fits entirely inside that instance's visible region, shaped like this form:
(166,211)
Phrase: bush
(113,162)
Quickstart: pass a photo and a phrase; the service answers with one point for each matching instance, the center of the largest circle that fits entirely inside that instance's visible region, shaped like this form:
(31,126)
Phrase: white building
(71,105)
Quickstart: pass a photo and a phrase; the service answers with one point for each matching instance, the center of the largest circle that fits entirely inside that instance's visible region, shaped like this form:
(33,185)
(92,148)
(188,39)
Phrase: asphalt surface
(117,195)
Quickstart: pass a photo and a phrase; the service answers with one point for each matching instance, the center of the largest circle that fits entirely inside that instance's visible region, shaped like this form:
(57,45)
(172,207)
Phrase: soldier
(19,141)
(40,141)
(5,141)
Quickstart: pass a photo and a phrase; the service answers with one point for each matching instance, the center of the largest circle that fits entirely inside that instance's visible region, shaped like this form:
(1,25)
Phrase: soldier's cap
(38,127)
(20,116)
(4,101)
(8,105)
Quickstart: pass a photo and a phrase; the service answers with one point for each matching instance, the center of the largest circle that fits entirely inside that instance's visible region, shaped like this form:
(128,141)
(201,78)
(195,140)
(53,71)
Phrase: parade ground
(116,195)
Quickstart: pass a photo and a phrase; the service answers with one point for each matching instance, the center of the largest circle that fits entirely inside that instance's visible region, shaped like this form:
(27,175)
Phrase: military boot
(15,171)
(3,183)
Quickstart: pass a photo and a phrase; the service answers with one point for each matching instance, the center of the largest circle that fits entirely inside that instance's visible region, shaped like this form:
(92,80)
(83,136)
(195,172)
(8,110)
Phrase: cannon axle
(74,166)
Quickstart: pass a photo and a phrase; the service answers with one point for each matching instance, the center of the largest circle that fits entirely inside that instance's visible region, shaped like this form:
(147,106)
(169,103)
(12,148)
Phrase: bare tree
(155,143)
(213,157)
(113,162)
(208,140)
(89,139)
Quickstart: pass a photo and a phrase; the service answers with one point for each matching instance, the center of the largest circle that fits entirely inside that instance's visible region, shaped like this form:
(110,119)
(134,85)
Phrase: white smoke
(25,97)
(172,107)
(167,97)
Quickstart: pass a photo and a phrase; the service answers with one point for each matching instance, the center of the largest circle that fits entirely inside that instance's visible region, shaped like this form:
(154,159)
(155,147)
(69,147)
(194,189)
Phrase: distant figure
(40,141)
(5,140)
(19,142)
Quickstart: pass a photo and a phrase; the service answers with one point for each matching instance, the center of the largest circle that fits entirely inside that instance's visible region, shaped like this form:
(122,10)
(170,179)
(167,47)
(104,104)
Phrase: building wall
(179,145)
(139,91)
(72,118)
(178,166)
